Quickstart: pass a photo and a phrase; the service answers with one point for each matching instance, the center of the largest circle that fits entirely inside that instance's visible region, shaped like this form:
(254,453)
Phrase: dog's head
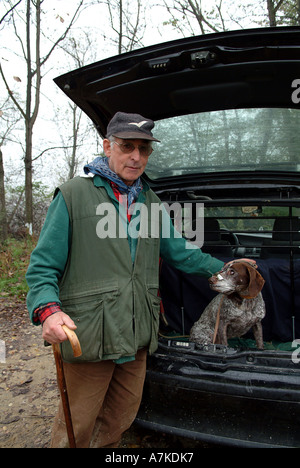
(238,277)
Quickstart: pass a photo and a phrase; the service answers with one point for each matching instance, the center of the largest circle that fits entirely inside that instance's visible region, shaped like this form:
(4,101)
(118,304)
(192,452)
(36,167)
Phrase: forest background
(44,138)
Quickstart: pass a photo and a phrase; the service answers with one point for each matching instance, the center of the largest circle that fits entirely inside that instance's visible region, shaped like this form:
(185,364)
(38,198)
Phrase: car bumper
(241,399)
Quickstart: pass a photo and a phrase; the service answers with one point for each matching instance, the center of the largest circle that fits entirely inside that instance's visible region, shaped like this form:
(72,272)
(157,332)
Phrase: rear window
(265,139)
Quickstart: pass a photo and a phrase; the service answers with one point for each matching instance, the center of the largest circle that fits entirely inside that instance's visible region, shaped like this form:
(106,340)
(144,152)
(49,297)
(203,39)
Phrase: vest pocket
(154,301)
(89,330)
(96,328)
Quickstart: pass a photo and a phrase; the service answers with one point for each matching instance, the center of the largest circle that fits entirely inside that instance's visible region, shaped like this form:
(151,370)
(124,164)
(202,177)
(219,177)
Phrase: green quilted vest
(112,300)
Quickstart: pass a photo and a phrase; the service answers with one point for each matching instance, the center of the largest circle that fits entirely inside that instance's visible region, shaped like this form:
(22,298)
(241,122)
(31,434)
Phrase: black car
(227,112)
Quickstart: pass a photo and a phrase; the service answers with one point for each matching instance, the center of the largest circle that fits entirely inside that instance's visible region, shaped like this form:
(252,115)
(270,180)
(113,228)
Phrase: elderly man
(105,286)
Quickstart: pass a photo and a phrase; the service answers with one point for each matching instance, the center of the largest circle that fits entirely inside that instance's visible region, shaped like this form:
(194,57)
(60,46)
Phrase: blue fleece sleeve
(49,258)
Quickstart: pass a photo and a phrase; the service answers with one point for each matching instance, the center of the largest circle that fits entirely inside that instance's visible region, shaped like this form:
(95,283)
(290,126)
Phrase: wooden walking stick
(72,337)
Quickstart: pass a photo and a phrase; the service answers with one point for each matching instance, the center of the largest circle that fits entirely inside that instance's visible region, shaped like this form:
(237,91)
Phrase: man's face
(127,158)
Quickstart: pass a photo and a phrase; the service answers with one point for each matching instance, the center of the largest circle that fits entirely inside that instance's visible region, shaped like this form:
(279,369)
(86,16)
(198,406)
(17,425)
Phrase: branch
(11,93)
(133,28)
(50,149)
(38,62)
(7,131)
(219,8)
(9,11)
(174,21)
(9,221)
(276,8)
(112,22)
(62,37)
(18,36)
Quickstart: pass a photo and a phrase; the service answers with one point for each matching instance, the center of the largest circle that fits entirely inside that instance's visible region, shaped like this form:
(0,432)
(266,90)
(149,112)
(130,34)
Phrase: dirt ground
(28,389)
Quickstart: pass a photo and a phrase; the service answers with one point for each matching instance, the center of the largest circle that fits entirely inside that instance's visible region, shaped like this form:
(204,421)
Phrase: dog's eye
(231,272)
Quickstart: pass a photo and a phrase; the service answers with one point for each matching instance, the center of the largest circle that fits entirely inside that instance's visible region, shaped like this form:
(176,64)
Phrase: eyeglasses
(127,148)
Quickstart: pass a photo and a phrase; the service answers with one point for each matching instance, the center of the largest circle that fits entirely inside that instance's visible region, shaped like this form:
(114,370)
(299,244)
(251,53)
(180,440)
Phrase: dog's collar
(245,296)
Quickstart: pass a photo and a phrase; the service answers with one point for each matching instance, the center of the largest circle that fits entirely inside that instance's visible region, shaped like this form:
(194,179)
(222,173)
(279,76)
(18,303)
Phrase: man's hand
(52,330)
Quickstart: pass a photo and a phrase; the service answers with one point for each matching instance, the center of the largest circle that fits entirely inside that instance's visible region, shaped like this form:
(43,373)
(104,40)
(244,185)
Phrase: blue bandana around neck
(100,167)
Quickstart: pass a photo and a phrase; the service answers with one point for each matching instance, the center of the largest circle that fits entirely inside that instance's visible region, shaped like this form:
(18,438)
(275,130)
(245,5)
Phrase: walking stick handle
(74,342)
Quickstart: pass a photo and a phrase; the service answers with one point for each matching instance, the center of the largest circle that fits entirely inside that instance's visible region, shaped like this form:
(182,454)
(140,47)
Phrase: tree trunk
(120,27)
(28,180)
(28,129)
(31,116)
(72,160)
(3,219)
(271,12)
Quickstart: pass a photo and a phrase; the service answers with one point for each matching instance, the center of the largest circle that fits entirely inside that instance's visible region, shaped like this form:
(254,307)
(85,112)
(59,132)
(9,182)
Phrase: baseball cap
(130,126)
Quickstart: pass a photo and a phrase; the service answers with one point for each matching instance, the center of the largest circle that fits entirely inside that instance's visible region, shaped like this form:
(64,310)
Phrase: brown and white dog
(238,308)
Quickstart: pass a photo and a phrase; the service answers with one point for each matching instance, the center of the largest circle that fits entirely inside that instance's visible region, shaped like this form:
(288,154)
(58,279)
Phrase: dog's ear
(256,282)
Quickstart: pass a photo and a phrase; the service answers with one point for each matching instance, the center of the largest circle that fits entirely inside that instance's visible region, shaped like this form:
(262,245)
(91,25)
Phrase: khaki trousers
(104,400)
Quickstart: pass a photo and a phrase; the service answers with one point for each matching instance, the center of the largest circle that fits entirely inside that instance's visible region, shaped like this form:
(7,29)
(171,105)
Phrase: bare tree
(31,51)
(290,13)
(127,20)
(8,122)
(77,129)
(3,220)
(190,17)
(273,7)
(271,12)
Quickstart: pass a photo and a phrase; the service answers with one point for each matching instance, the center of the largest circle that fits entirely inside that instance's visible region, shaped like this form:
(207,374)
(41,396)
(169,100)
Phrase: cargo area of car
(235,395)
(265,228)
